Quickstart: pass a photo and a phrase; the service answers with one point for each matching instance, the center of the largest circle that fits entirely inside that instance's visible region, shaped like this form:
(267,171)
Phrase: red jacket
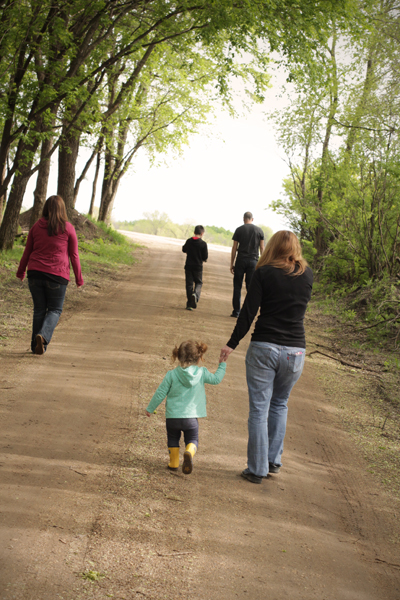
(51,253)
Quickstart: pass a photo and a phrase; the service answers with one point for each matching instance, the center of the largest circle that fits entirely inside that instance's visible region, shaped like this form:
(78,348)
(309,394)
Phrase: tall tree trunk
(67,157)
(3,197)
(106,188)
(9,226)
(40,192)
(95,180)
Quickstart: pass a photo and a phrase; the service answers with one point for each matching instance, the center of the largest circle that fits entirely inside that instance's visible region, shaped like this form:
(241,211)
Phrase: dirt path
(84,488)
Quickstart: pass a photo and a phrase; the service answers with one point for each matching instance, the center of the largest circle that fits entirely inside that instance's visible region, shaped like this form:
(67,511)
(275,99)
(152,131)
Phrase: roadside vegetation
(341,136)
(157,223)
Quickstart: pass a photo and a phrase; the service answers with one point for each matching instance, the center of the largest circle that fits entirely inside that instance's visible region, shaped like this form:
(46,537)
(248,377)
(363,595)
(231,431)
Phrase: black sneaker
(273,468)
(234,315)
(251,477)
(193,301)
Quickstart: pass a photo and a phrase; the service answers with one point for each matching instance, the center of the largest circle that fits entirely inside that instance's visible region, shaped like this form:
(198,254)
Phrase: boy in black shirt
(196,253)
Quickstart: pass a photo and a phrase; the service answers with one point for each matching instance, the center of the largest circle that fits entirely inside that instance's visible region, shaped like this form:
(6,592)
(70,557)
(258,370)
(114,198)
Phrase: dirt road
(88,509)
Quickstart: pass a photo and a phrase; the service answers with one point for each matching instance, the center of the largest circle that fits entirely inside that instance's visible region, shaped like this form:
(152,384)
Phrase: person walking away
(248,242)
(51,245)
(186,400)
(281,289)
(196,251)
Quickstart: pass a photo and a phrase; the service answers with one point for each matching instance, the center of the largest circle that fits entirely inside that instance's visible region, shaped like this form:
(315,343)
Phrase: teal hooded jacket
(184,389)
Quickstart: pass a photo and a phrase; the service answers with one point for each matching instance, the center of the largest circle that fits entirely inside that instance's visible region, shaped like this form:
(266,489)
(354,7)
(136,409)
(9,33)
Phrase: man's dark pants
(243,267)
(194,282)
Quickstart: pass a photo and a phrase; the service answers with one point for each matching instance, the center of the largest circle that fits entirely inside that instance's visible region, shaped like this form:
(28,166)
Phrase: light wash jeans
(271,372)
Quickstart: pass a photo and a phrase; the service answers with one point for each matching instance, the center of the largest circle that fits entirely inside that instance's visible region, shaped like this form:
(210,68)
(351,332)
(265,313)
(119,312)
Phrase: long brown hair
(283,251)
(189,353)
(55,213)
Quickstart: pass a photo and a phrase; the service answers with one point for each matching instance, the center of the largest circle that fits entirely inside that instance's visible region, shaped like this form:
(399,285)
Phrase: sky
(233,168)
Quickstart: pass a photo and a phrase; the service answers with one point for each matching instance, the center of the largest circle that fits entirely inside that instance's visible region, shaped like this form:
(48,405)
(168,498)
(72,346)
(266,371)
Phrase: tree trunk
(105,205)
(3,197)
(9,226)
(94,188)
(67,158)
(40,192)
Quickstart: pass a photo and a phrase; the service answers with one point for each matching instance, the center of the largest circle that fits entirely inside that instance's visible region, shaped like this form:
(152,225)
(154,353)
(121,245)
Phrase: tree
(343,195)
(54,57)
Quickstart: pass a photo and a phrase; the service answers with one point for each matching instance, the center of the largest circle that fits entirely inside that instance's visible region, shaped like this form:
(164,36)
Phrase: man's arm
(262,246)
(233,256)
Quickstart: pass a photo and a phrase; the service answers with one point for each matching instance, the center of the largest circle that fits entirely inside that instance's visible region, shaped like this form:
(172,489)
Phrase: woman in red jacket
(51,245)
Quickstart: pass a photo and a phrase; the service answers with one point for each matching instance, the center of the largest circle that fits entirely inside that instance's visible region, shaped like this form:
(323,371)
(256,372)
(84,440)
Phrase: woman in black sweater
(281,288)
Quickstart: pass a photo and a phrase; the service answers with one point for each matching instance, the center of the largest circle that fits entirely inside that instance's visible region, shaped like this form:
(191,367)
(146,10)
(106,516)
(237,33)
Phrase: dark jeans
(48,299)
(190,428)
(194,282)
(243,266)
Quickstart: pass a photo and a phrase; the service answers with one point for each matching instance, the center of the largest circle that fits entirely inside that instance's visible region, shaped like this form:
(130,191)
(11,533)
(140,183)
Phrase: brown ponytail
(189,353)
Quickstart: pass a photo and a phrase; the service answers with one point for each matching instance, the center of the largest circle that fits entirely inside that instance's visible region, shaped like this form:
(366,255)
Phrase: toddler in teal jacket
(186,400)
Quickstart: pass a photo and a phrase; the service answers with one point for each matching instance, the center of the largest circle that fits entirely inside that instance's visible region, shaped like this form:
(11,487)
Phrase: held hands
(225,352)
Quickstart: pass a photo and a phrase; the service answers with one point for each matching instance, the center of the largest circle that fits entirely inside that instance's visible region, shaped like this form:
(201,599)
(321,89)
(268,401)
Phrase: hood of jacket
(190,376)
(43,223)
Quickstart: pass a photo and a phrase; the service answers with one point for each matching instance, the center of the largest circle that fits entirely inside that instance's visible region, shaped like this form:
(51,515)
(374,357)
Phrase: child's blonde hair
(189,353)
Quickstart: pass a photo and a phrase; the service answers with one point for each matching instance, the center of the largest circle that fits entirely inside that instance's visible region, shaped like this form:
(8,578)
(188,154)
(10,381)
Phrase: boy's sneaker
(189,308)
(193,301)
(251,477)
(273,468)
(235,315)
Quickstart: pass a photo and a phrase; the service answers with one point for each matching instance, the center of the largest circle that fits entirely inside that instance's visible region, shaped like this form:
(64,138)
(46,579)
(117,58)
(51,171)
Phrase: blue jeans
(243,266)
(48,299)
(271,372)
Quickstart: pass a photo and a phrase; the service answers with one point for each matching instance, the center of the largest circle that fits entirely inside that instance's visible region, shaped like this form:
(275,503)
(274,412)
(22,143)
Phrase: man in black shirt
(196,253)
(248,242)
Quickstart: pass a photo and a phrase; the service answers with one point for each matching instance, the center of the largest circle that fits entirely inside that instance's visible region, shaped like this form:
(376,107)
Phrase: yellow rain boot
(187,466)
(173,459)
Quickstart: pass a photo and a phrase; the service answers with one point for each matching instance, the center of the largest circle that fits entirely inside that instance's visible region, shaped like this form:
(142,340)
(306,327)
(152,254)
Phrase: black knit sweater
(282,300)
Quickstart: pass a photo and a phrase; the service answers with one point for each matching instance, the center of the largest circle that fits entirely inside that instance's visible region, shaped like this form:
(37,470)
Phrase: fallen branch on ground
(343,362)
(174,554)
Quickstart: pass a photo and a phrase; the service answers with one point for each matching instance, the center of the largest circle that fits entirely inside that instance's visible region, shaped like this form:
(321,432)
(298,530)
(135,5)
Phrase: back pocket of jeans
(296,361)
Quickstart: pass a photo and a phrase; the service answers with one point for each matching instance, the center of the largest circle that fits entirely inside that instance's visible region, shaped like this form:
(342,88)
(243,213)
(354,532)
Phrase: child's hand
(148,414)
(225,352)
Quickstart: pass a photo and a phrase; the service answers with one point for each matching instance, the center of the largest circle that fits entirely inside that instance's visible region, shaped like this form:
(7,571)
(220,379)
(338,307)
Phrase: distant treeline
(160,224)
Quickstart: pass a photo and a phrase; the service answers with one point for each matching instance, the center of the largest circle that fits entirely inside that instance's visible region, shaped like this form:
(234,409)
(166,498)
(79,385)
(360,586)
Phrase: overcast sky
(237,167)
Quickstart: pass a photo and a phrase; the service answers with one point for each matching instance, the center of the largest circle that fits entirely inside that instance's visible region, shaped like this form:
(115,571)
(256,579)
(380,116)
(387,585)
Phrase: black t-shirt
(196,251)
(248,237)
(282,300)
